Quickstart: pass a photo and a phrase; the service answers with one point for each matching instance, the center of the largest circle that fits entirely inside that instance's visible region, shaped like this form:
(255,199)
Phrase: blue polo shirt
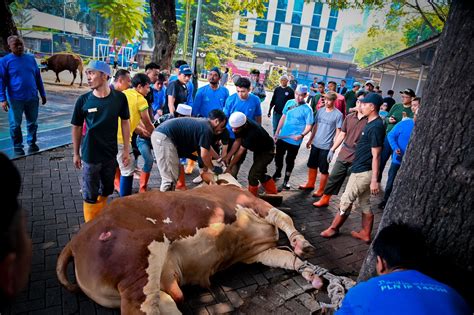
(208,99)
(297,117)
(399,137)
(250,107)
(20,78)
(406,292)
(159,99)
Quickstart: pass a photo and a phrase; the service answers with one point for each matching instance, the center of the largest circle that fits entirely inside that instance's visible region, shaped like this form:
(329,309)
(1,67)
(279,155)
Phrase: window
(318,8)
(75,41)
(297,12)
(241,37)
(333,19)
(295,36)
(327,41)
(313,39)
(276,34)
(261,29)
(282,6)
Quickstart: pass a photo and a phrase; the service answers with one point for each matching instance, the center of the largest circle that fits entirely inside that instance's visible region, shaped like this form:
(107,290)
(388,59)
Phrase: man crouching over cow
(100,109)
(251,136)
(180,138)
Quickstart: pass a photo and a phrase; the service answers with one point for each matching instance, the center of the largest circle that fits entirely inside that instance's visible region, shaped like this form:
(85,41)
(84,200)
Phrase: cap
(184,109)
(373,98)
(284,77)
(98,65)
(216,69)
(371,82)
(237,119)
(356,84)
(185,69)
(301,89)
(408,92)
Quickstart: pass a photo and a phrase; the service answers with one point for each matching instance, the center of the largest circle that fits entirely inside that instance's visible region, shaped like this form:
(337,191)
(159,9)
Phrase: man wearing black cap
(363,179)
(396,114)
(177,91)
(211,96)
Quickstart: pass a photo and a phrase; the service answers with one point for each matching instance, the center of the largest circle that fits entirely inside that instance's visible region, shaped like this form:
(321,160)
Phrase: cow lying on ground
(141,249)
(64,61)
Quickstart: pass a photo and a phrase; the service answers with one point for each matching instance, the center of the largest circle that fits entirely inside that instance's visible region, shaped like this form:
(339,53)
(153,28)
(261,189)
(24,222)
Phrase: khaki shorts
(358,187)
(125,170)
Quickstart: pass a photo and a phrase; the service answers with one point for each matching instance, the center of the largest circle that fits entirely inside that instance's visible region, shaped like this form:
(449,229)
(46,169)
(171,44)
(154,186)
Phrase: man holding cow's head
(100,109)
(249,135)
(180,138)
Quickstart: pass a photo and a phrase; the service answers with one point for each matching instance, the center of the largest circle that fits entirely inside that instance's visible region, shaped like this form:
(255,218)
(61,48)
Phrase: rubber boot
(333,230)
(190,167)
(253,190)
(322,184)
(126,183)
(323,202)
(270,187)
(144,177)
(102,200)
(367,224)
(312,173)
(91,210)
(117,180)
(285,185)
(181,184)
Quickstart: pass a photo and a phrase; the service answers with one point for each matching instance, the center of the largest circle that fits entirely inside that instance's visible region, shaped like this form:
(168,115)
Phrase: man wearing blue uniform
(245,102)
(20,82)
(400,288)
(211,96)
(294,125)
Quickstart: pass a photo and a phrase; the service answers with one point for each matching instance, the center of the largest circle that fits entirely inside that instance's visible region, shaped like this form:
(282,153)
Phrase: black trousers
(291,151)
(258,171)
(340,170)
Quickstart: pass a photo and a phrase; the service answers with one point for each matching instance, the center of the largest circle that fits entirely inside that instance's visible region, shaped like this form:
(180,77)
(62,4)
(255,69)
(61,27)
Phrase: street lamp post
(64,17)
(196,35)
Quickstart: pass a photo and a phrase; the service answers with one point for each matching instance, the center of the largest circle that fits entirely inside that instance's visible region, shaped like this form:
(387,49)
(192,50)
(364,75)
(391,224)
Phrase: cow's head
(44,65)
(222,179)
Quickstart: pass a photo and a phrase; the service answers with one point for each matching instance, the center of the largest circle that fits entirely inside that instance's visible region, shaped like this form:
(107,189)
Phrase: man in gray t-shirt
(327,125)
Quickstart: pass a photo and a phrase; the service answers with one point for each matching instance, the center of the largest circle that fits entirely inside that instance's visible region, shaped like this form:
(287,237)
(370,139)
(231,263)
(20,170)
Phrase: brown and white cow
(141,249)
(64,61)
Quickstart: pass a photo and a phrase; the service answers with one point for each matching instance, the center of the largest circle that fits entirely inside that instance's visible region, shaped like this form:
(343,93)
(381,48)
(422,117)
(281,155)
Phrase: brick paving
(52,199)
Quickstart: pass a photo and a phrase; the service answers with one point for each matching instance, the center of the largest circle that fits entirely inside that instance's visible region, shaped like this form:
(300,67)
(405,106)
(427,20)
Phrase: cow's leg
(74,73)
(57,77)
(278,258)
(283,221)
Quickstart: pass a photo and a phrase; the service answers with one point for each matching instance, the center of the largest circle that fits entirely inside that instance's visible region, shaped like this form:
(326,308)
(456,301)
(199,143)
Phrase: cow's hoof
(303,249)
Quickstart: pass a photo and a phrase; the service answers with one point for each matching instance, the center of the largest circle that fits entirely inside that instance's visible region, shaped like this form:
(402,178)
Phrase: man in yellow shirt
(138,107)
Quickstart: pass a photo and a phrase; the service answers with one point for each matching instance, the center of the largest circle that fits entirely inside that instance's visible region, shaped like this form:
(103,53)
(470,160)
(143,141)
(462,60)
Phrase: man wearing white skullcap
(251,136)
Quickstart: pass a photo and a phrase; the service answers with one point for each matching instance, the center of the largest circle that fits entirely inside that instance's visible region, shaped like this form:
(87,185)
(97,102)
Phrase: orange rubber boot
(367,224)
(144,177)
(253,190)
(312,173)
(270,187)
(333,230)
(322,184)
(117,180)
(181,184)
(323,202)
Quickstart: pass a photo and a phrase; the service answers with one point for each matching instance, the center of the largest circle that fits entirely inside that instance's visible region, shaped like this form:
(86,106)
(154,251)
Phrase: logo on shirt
(286,93)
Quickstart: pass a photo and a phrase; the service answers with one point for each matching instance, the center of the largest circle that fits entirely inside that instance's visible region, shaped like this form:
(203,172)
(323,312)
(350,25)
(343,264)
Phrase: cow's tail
(80,66)
(61,268)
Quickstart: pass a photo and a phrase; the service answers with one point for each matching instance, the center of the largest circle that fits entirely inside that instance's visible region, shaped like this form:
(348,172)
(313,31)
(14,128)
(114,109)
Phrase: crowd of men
(159,117)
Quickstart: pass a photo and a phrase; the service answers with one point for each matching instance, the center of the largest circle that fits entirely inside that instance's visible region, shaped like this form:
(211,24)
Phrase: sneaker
(197,180)
(19,151)
(284,186)
(33,148)
(276,176)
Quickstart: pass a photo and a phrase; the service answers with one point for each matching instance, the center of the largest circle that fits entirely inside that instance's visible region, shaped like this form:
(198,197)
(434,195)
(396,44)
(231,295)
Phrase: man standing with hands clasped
(101,109)
(363,179)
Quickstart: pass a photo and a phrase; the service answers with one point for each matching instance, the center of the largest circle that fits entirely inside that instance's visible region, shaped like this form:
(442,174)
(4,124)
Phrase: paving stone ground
(52,199)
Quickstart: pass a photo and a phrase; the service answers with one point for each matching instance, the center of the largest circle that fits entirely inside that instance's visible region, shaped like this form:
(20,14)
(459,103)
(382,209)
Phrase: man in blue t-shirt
(211,96)
(20,82)
(295,123)
(400,288)
(245,102)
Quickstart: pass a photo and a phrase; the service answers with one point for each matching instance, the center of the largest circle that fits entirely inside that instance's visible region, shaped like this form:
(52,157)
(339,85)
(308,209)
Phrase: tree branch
(437,11)
(418,8)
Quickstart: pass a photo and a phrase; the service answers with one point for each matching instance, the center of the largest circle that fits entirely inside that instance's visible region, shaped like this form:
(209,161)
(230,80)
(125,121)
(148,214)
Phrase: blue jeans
(145,148)
(392,174)
(98,178)
(384,157)
(275,120)
(15,115)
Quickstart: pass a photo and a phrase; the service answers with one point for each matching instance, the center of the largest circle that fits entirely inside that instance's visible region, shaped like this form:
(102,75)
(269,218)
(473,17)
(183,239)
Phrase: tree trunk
(7,25)
(163,15)
(434,188)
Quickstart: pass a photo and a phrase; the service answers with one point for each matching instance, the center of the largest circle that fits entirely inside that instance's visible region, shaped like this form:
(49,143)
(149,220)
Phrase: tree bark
(434,188)
(163,15)
(7,25)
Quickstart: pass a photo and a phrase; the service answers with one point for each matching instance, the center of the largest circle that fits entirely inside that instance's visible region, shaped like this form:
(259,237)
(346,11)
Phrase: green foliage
(372,49)
(273,80)
(20,15)
(417,30)
(211,61)
(67,47)
(126,17)
(220,40)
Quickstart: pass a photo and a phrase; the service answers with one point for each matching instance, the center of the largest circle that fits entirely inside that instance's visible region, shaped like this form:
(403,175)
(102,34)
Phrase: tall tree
(163,13)
(434,188)
(7,24)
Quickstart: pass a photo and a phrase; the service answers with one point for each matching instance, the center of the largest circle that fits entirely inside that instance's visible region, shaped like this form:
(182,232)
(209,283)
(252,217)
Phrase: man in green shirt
(398,112)
(351,98)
